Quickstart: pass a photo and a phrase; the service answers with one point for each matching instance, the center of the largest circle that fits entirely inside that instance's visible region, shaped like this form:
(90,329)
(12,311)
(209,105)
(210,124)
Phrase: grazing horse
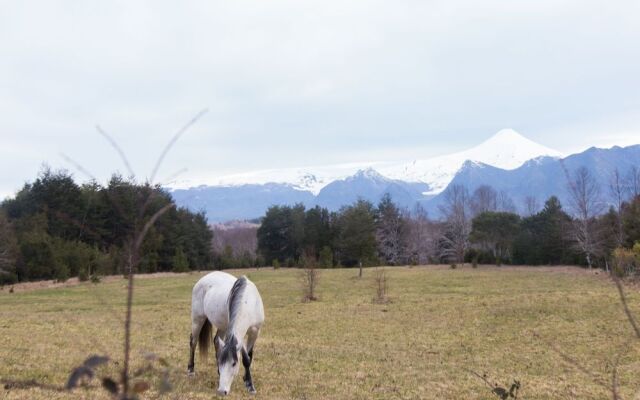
(234,307)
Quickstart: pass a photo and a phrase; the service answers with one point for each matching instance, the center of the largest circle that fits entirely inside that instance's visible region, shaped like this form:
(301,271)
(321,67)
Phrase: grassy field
(440,324)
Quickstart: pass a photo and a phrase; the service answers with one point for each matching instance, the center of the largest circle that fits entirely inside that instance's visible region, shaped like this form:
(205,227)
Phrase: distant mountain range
(507,161)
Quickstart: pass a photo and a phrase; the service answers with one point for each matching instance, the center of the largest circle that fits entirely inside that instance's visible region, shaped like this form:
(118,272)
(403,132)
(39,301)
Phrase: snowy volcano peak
(506,134)
(507,149)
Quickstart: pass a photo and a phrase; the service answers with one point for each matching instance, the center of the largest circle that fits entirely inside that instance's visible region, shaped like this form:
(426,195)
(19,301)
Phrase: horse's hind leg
(196,327)
(247,358)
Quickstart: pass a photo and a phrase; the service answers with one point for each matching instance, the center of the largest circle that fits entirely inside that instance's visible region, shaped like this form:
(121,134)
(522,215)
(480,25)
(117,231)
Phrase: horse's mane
(233,302)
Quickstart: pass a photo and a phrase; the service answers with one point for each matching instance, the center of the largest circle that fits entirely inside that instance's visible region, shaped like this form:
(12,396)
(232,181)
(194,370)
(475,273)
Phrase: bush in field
(310,278)
(290,263)
(276,264)
(625,262)
(381,286)
(83,275)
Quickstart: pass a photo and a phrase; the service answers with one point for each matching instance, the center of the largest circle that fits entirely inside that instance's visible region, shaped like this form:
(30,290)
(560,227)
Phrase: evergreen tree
(326,257)
(180,261)
(631,221)
(543,239)
(8,251)
(495,232)
(356,239)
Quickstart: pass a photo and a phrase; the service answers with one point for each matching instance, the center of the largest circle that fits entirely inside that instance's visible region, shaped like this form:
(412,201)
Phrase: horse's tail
(204,339)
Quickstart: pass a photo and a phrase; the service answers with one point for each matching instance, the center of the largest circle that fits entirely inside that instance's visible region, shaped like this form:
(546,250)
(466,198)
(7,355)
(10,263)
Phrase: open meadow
(440,325)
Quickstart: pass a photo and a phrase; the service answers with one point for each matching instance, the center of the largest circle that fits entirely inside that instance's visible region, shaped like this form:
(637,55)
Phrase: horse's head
(228,363)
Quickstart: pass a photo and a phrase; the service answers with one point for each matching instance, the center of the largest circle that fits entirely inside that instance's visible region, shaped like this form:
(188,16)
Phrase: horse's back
(209,297)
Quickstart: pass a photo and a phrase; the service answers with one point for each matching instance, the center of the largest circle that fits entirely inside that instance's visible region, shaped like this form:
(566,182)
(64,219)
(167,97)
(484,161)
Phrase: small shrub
(62,273)
(474,262)
(625,262)
(310,278)
(276,264)
(290,263)
(453,266)
(7,278)
(83,275)
(381,286)
(95,279)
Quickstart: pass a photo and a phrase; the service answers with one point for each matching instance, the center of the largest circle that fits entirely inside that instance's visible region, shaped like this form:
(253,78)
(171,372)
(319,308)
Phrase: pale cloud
(293,83)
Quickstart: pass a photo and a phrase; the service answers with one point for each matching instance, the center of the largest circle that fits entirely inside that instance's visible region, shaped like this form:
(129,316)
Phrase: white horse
(234,307)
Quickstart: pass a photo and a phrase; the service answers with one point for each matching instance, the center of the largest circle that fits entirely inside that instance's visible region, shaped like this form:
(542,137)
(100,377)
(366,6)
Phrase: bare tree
(310,276)
(505,202)
(586,204)
(484,198)
(423,235)
(617,195)
(124,389)
(391,232)
(241,237)
(531,206)
(457,214)
(381,286)
(632,182)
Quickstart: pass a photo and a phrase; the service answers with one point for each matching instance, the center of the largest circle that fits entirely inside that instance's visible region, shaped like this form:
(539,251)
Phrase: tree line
(478,227)
(54,229)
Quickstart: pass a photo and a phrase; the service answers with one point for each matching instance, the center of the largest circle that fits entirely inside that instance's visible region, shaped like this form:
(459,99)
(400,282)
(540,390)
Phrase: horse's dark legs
(246,362)
(196,327)
(247,358)
(192,353)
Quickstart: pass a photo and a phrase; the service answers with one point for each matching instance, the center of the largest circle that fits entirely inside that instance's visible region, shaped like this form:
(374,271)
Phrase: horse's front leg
(247,358)
(246,362)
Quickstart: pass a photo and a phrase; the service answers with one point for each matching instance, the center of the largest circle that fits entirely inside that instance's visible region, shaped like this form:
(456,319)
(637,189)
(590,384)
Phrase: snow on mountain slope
(311,179)
(507,149)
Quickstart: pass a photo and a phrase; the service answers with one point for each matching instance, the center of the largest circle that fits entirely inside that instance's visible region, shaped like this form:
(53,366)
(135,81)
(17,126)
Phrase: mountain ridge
(506,149)
(540,176)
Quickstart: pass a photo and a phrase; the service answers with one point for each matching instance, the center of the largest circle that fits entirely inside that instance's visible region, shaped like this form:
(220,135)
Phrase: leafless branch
(174,139)
(117,148)
(625,305)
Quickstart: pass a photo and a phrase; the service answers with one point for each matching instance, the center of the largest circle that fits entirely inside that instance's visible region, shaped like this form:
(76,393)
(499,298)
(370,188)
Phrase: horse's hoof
(252,391)
(191,374)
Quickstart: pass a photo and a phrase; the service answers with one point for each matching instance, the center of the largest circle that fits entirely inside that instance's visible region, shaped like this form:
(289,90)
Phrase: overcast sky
(294,83)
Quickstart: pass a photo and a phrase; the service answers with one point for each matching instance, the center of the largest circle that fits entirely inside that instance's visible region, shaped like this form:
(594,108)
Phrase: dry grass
(440,323)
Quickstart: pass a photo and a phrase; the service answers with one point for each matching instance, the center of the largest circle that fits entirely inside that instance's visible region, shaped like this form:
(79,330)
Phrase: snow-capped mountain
(539,177)
(507,149)
(310,179)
